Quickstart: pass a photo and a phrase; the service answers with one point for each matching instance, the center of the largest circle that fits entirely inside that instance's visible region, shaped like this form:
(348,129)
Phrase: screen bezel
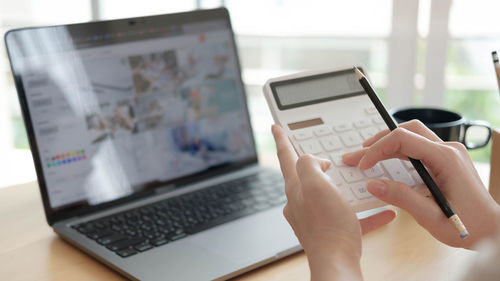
(54,215)
(274,85)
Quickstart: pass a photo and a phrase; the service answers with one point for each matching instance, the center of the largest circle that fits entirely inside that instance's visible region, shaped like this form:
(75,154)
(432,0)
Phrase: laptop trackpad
(251,239)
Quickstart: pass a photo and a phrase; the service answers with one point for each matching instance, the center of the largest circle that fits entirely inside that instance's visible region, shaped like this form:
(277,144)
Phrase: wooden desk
(29,250)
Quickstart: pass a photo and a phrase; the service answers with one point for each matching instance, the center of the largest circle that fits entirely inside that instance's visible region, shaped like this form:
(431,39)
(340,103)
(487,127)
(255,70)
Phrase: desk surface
(29,250)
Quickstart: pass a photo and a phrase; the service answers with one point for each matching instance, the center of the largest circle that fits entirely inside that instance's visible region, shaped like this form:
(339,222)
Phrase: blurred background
(417,53)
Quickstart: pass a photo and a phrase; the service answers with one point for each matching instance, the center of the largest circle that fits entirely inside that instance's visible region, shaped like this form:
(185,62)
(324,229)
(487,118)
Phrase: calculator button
(362,123)
(351,174)
(302,136)
(347,194)
(342,127)
(374,171)
(360,191)
(378,119)
(351,138)
(331,143)
(407,164)
(397,171)
(311,147)
(371,110)
(323,156)
(337,159)
(351,149)
(384,178)
(416,177)
(368,132)
(322,131)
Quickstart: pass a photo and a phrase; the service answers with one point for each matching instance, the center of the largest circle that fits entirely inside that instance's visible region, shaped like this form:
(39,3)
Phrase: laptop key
(143,247)
(111,239)
(126,252)
(85,228)
(99,233)
(176,235)
(218,221)
(159,241)
(122,244)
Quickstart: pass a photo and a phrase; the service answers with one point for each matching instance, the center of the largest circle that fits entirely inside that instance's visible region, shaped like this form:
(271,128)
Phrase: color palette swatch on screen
(67,158)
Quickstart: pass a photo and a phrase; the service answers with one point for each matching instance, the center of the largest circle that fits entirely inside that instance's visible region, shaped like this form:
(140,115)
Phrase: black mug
(448,125)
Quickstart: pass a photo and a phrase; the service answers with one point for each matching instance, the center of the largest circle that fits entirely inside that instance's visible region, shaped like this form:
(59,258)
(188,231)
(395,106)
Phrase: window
(281,37)
(278,37)
(470,83)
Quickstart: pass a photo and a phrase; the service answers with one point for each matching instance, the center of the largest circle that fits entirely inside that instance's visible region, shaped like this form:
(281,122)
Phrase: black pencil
(419,167)
(496,64)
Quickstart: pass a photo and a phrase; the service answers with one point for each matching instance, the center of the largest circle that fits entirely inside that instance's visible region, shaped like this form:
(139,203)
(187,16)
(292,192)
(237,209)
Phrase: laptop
(143,146)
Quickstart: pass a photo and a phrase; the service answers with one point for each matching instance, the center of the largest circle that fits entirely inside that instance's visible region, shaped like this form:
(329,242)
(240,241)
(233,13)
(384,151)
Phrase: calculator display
(316,89)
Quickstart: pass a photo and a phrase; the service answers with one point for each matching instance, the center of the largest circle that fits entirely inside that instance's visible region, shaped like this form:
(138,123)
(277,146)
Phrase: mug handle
(477,123)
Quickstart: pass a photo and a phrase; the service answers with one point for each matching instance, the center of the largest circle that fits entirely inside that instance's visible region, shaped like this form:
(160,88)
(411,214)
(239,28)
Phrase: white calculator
(327,113)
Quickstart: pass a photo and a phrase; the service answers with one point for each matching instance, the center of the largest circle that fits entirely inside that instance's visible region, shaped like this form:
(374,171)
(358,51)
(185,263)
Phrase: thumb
(373,222)
(325,164)
(310,164)
(401,195)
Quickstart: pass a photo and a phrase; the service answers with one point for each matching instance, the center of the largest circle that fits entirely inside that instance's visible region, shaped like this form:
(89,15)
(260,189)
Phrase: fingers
(420,129)
(423,209)
(310,170)
(375,221)
(352,158)
(400,143)
(286,153)
(287,158)
(324,164)
(376,137)
(414,126)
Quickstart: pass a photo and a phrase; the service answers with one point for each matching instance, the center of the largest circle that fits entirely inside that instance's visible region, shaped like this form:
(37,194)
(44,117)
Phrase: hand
(451,168)
(324,223)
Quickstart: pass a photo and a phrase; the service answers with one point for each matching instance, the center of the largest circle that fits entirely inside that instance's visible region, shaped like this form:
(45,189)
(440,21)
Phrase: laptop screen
(119,107)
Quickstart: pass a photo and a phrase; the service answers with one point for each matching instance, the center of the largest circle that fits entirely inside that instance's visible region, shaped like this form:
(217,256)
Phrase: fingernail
(362,165)
(377,187)
(273,129)
(326,165)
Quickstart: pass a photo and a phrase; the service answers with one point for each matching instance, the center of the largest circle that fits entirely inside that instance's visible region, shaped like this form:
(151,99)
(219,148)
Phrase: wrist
(335,263)
(493,222)
(490,227)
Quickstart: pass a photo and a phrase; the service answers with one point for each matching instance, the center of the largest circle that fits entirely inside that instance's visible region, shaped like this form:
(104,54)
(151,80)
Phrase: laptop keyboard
(144,228)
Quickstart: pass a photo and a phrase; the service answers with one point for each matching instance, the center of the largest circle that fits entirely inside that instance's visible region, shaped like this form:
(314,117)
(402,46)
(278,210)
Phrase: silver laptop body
(152,112)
